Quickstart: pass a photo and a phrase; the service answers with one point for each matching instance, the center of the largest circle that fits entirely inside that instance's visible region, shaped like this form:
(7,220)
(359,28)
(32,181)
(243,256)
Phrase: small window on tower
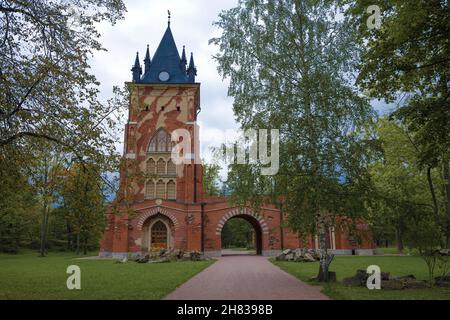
(160,190)
(171,190)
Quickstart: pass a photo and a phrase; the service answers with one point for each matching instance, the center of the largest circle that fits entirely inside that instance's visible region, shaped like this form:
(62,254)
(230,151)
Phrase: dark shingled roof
(167,59)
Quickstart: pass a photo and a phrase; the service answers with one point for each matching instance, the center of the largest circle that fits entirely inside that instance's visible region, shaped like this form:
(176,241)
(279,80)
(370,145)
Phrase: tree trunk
(42,250)
(446,173)
(323,252)
(69,237)
(325,258)
(433,193)
(78,243)
(399,238)
(85,246)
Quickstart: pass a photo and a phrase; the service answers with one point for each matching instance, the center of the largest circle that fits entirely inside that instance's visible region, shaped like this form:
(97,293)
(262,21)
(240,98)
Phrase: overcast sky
(191,25)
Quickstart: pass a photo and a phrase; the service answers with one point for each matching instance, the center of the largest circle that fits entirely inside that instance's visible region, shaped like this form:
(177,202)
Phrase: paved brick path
(245,277)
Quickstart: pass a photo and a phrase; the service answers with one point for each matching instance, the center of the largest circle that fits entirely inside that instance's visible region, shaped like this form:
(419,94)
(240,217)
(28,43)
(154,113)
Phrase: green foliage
(400,187)
(407,60)
(237,233)
(211,179)
(18,203)
(289,64)
(402,200)
(50,114)
(83,204)
(47,91)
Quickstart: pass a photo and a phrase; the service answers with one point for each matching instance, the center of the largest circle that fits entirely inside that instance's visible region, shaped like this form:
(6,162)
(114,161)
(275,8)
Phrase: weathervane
(168,12)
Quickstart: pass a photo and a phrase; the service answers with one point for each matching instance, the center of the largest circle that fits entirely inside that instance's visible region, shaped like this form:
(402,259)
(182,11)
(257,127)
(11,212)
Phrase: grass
(390,250)
(27,276)
(346,266)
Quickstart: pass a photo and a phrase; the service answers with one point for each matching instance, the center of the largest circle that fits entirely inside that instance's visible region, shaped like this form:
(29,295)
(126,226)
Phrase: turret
(192,70)
(137,70)
(183,61)
(147,61)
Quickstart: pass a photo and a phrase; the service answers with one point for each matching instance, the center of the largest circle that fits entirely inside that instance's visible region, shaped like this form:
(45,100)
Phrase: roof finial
(168,12)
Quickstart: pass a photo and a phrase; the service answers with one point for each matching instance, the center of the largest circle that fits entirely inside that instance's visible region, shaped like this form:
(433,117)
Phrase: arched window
(171,190)
(150,190)
(161,142)
(171,168)
(161,167)
(159,235)
(151,166)
(161,190)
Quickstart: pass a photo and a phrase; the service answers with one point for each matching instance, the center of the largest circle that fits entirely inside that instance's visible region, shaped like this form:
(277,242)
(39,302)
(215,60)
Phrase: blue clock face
(164,76)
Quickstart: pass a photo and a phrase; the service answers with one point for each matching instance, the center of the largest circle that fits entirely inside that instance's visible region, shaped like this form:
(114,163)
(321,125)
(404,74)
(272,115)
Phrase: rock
(392,284)
(385,275)
(314,253)
(287,251)
(407,277)
(280,257)
(308,257)
(444,278)
(195,256)
(352,281)
(415,284)
(359,279)
(289,257)
(362,275)
(442,281)
(299,253)
(179,254)
(144,259)
(186,256)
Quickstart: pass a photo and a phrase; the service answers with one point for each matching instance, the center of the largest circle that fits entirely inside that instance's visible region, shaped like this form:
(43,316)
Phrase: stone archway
(147,213)
(158,233)
(256,221)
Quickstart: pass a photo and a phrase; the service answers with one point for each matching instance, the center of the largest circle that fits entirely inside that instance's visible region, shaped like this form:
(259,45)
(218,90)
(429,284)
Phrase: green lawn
(27,276)
(390,250)
(347,266)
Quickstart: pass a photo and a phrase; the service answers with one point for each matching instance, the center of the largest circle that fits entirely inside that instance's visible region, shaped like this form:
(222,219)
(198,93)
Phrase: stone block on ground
(195,256)
(281,257)
(352,281)
(443,282)
(289,257)
(392,284)
(308,257)
(415,284)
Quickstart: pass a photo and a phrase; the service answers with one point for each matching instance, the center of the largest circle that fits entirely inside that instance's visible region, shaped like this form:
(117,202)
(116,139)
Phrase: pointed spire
(137,70)
(183,61)
(147,60)
(192,70)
